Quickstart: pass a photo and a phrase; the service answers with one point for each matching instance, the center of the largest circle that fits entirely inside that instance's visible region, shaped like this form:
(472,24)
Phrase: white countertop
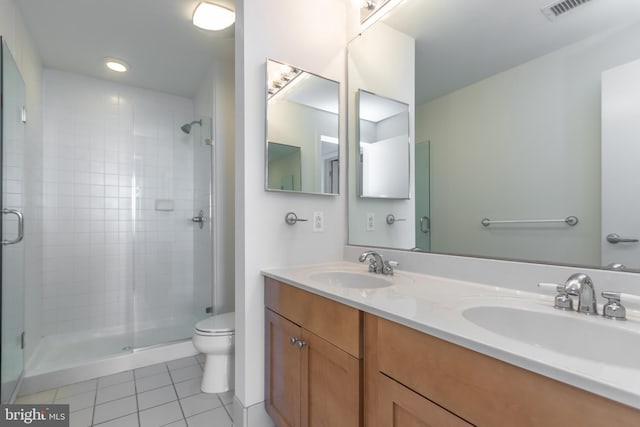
(435,305)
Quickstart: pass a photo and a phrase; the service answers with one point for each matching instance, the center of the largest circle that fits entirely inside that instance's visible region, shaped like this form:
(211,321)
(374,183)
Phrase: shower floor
(58,352)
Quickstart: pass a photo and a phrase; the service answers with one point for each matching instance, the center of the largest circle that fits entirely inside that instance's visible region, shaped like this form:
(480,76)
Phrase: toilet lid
(220,323)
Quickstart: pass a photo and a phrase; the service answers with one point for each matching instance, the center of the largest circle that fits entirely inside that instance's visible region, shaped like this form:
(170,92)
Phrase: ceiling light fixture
(116,65)
(213,17)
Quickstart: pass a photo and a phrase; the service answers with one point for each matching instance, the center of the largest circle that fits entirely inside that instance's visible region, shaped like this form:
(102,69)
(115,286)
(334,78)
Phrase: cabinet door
(282,381)
(331,386)
(399,406)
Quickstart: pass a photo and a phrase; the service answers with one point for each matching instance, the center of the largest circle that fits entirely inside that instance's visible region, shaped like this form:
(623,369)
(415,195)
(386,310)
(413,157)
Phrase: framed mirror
(519,128)
(303,145)
(384,158)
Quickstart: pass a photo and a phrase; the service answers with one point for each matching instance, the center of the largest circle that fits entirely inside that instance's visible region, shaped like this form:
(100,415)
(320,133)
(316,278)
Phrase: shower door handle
(20,226)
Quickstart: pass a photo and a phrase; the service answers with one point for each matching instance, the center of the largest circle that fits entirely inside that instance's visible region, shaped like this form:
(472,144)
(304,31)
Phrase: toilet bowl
(214,337)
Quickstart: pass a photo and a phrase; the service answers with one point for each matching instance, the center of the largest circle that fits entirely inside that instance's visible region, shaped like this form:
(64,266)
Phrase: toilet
(214,337)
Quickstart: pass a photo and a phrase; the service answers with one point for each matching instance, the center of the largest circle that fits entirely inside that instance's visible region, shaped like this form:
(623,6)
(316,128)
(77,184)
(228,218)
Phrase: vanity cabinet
(414,379)
(313,359)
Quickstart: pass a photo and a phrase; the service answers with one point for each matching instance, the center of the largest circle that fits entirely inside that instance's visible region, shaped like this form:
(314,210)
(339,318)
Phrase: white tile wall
(109,151)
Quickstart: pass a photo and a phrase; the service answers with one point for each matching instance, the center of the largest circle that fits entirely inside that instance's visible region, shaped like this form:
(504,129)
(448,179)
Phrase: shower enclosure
(121,251)
(12,262)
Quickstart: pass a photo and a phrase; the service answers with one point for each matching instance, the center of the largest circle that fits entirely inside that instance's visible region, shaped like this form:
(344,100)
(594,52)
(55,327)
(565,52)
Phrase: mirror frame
(266,133)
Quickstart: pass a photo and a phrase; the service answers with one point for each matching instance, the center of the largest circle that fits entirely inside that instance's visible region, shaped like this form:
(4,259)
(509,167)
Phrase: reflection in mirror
(283,166)
(383,132)
(538,129)
(302,131)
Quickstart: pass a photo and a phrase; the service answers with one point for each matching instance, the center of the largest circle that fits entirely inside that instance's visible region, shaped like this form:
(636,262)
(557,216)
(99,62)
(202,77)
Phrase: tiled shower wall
(118,198)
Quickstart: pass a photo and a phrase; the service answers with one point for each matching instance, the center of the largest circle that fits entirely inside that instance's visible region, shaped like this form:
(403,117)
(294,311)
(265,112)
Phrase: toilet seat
(218,325)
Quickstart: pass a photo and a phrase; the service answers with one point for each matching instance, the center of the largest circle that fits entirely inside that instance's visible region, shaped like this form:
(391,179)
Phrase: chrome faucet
(376,263)
(581,285)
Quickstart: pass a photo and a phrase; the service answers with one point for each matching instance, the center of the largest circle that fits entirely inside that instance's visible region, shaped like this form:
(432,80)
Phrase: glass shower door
(172,226)
(12,261)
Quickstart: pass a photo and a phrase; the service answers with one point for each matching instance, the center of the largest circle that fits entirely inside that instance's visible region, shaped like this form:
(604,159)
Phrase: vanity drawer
(337,323)
(484,390)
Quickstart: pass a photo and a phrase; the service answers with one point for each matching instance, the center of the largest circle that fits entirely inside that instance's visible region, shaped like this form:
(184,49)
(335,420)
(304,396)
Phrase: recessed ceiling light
(116,65)
(213,17)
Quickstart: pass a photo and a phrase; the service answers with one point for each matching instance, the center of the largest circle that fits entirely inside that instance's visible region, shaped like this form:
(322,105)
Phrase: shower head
(186,128)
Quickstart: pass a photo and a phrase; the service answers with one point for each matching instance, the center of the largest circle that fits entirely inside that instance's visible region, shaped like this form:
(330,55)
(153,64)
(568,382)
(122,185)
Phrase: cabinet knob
(293,340)
(301,344)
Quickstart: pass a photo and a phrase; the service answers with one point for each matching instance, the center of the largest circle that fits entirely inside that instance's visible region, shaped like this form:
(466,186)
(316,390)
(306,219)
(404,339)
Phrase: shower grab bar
(570,220)
(20,226)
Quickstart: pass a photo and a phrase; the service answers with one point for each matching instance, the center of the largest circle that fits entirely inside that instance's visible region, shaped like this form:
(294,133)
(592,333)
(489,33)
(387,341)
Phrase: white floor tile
(187,373)
(42,397)
(114,379)
(161,415)
(189,387)
(155,381)
(78,401)
(77,388)
(156,397)
(115,409)
(217,417)
(182,363)
(181,423)
(81,418)
(128,421)
(148,371)
(198,403)
(115,392)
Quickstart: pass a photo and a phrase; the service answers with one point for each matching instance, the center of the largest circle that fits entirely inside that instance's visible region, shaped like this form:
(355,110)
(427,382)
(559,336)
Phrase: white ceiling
(155,37)
(459,42)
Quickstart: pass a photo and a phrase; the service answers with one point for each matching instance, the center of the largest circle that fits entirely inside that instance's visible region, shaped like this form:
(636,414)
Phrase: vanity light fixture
(117,65)
(374,10)
(213,17)
(283,79)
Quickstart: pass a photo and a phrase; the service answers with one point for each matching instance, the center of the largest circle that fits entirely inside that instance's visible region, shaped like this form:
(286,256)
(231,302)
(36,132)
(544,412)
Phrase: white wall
(396,81)
(111,151)
(524,143)
(314,39)
(20,43)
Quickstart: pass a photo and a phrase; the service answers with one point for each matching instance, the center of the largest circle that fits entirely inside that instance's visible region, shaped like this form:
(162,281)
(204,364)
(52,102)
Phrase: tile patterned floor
(166,394)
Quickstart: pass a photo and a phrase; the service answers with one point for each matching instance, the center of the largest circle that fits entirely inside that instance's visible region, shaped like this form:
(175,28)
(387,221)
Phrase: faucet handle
(388,266)
(613,309)
(562,301)
(373,265)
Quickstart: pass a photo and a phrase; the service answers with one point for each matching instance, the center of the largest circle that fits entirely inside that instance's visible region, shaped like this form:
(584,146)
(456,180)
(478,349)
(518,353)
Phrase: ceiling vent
(561,7)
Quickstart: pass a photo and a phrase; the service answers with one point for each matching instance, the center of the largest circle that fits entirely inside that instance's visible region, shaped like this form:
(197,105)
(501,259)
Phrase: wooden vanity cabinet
(414,379)
(313,372)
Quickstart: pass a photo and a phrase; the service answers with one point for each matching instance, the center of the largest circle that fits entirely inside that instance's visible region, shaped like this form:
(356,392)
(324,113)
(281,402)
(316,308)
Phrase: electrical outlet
(371,221)
(318,222)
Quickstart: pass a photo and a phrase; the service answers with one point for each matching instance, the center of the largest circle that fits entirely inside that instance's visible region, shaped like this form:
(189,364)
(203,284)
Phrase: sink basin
(587,338)
(345,279)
